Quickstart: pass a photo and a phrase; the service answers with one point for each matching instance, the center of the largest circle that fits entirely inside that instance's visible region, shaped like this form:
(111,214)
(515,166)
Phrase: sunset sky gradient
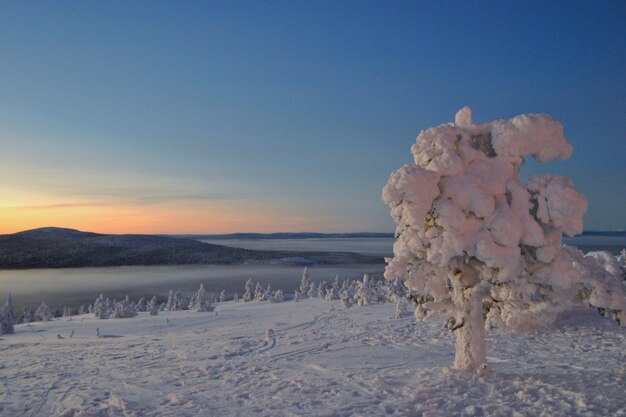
(227,116)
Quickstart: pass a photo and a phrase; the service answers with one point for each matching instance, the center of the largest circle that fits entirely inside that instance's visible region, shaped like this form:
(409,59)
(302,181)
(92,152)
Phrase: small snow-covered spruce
(248,294)
(397,290)
(603,282)
(470,233)
(223,296)
(7,317)
(27,316)
(235,297)
(296,296)
(43,312)
(346,300)
(153,306)
(176,301)
(607,261)
(312,291)
(102,307)
(201,302)
(171,301)
(82,310)
(305,282)
(258,292)
(367,291)
(321,290)
(401,308)
(621,260)
(267,294)
(277,297)
(347,293)
(332,293)
(124,309)
(141,305)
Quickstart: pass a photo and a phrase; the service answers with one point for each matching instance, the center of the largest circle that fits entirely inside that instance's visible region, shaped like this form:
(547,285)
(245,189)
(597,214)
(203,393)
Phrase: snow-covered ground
(324,360)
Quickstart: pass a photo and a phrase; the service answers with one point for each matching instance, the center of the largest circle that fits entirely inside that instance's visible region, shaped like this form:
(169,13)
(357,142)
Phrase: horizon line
(261,233)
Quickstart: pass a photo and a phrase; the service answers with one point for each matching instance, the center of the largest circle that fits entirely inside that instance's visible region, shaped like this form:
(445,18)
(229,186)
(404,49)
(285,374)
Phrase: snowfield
(324,360)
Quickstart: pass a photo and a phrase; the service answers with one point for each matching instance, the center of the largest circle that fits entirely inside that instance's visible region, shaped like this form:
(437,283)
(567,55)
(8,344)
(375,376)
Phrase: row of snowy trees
(104,308)
(351,292)
(362,292)
(8,319)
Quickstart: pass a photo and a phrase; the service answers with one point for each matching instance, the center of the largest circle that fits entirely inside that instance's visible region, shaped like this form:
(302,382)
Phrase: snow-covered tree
(332,292)
(367,291)
(258,292)
(347,293)
(321,290)
(305,282)
(248,294)
(81,309)
(401,308)
(201,302)
(621,260)
(346,299)
(176,301)
(277,297)
(102,307)
(172,301)
(223,296)
(27,316)
(141,305)
(607,261)
(382,292)
(296,296)
(7,317)
(312,291)
(43,312)
(153,306)
(236,297)
(267,294)
(397,290)
(472,236)
(601,285)
(123,309)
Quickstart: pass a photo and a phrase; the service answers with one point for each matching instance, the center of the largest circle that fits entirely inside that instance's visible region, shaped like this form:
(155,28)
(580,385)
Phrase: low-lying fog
(365,246)
(383,246)
(75,286)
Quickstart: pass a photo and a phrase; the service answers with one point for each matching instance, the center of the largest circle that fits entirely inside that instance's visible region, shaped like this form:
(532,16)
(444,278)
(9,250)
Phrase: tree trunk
(470,324)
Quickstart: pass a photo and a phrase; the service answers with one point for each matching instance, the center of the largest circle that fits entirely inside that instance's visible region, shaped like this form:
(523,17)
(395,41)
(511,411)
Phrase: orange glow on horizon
(155,219)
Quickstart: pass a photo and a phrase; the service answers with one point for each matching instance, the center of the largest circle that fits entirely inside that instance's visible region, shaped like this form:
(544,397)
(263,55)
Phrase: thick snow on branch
(462,207)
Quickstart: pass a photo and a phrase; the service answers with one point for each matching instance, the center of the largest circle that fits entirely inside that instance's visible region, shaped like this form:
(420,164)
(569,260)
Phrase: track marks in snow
(322,361)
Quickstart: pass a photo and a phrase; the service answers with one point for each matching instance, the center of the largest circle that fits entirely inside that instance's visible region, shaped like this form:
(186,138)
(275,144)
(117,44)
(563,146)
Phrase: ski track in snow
(323,360)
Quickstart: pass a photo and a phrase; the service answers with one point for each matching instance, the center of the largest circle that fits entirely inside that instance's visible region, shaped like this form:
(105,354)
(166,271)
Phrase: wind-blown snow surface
(323,361)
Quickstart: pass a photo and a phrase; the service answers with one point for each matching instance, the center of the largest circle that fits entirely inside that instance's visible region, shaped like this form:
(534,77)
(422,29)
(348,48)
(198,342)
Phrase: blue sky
(197,117)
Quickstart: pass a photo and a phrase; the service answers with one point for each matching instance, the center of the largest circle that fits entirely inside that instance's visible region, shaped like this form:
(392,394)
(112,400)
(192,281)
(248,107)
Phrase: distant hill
(53,247)
(296,235)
